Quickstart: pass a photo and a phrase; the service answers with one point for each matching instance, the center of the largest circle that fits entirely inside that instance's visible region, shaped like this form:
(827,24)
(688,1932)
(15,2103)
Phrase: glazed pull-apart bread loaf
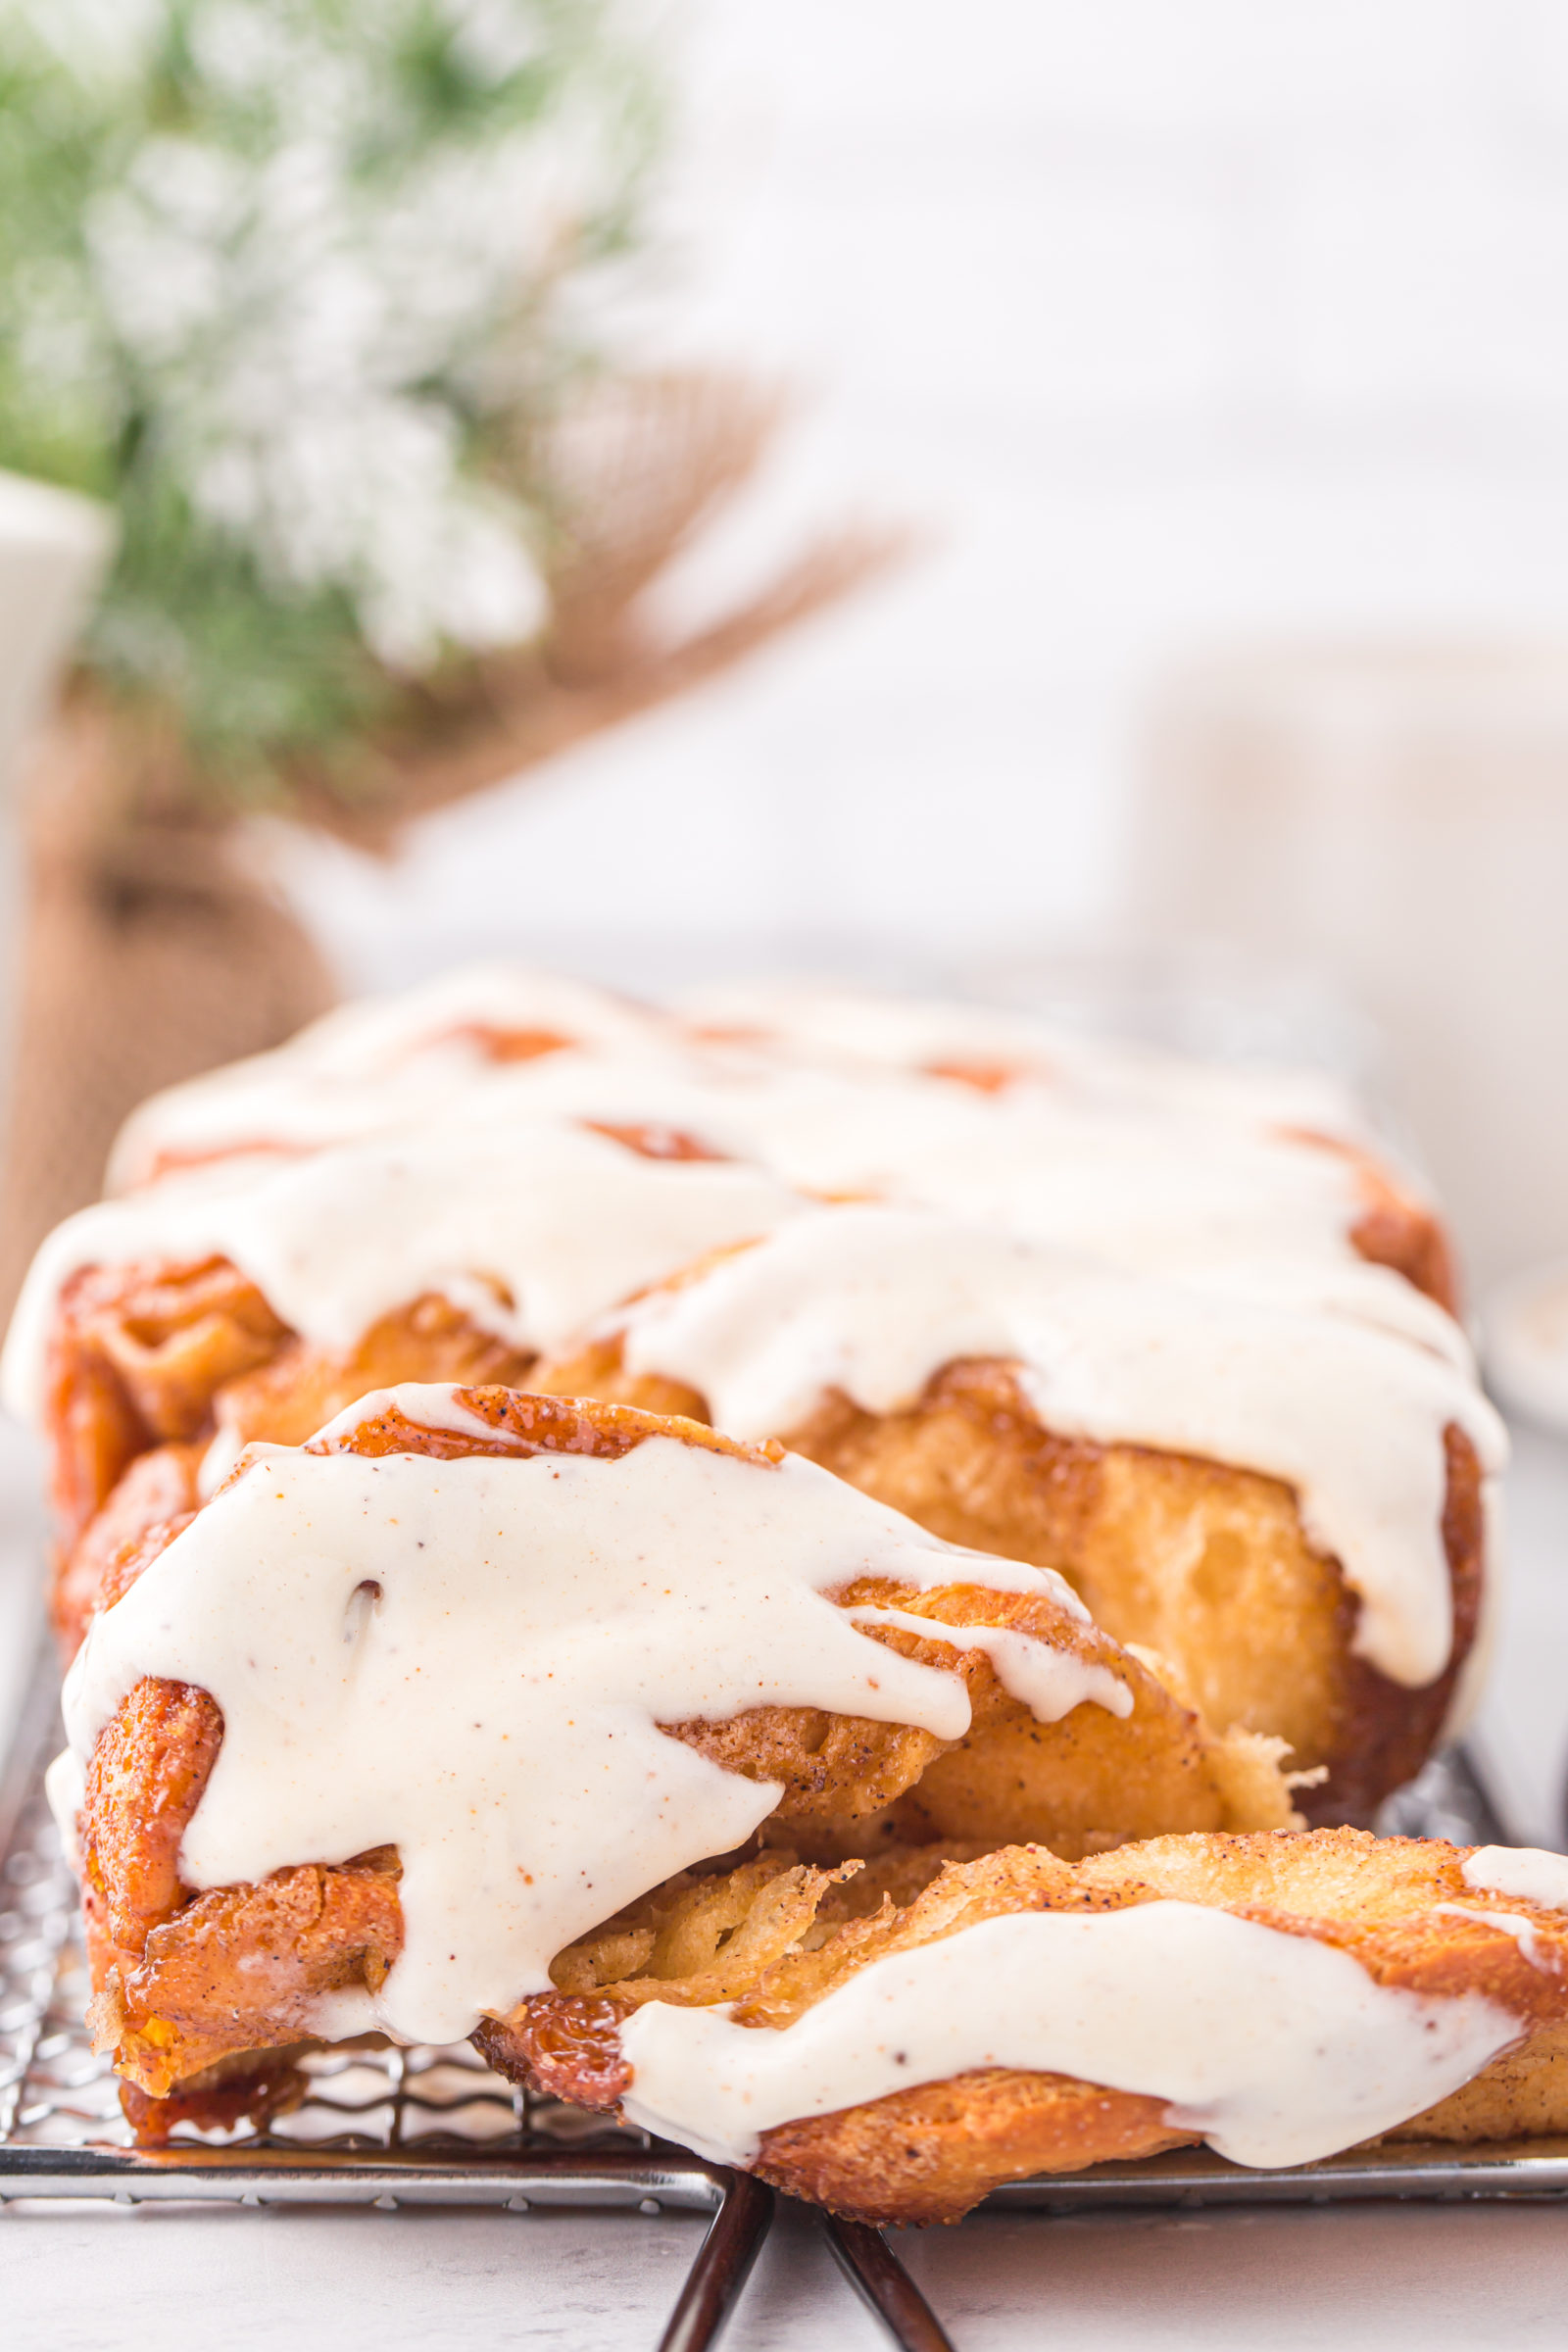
(785,1567)
(1252,1448)
(397,1717)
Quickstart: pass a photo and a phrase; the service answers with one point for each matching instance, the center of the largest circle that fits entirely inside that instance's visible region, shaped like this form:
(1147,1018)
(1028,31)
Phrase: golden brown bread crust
(652,1141)
(253,2088)
(142,1786)
(302,1388)
(145,1353)
(1205,1564)
(1089,1780)
(497,1043)
(165,1966)
(242,1968)
(852,1786)
(153,1355)
(526,1424)
(930,2153)
(159,1486)
(1395,1228)
(135,1357)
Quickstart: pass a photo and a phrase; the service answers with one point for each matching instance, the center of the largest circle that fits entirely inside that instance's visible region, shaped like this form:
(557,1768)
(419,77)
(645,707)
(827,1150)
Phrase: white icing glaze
(479,1181)
(1255,1216)
(1355,1291)
(1140,1187)
(373,1063)
(1528,1872)
(510,1189)
(1144,1159)
(521,1778)
(218,1460)
(1143,1192)
(863,1028)
(1050,1682)
(819,1021)
(568,1222)
(1275,2048)
(1125,1179)
(873,1301)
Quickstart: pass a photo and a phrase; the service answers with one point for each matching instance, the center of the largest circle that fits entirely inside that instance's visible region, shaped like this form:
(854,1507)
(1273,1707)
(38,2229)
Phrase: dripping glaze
(874,1301)
(563,1222)
(1272,2047)
(493,1713)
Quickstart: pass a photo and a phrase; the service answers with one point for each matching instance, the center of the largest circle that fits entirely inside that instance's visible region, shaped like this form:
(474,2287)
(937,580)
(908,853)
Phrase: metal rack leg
(723,2267)
(880,2278)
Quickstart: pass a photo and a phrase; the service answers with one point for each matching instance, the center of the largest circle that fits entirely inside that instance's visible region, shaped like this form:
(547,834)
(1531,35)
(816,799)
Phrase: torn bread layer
(1279,1997)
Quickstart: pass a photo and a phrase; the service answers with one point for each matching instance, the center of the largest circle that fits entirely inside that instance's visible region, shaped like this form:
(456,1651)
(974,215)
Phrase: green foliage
(278,279)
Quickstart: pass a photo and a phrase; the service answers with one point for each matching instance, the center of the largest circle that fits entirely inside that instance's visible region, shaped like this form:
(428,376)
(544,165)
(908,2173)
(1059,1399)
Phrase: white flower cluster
(315,336)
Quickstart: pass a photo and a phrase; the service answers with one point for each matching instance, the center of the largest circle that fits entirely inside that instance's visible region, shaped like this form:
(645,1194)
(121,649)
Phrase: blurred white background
(1172,327)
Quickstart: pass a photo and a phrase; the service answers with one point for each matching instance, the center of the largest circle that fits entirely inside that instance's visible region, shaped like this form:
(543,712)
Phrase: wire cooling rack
(436,2126)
